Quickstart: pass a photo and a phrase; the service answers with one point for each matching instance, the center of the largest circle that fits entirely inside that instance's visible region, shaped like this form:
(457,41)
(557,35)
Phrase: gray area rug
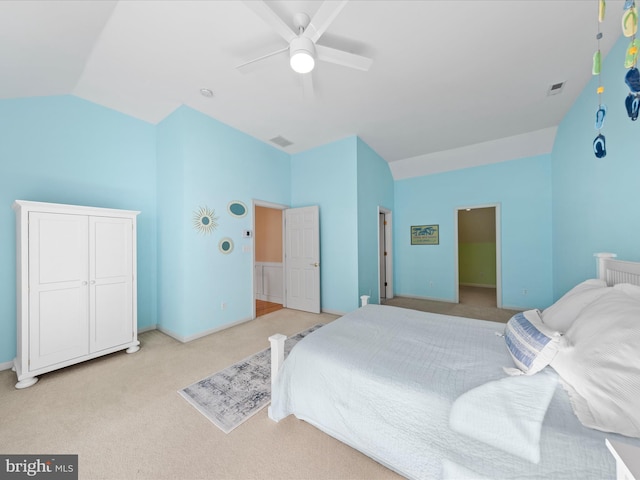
(233,395)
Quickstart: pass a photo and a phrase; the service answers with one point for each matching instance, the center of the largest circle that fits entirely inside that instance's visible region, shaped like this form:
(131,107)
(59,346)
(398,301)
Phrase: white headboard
(615,271)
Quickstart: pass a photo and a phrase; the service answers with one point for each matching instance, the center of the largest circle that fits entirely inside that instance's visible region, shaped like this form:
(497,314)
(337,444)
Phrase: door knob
(314,264)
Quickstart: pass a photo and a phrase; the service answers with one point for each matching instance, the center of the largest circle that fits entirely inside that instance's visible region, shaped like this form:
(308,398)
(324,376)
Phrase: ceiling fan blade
(308,90)
(346,59)
(270,17)
(327,12)
(245,64)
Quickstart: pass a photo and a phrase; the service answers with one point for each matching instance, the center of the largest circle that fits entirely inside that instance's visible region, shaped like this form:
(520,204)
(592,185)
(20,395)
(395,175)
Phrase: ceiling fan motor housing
(302,54)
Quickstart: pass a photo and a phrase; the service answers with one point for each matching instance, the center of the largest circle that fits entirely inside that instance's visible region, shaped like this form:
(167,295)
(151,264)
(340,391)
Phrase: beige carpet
(475,302)
(124,418)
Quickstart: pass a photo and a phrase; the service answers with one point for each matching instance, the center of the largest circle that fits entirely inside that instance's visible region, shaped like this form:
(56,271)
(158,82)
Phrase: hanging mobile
(632,77)
(599,144)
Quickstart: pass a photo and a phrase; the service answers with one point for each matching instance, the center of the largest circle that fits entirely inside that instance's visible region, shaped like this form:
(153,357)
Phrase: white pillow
(531,344)
(561,314)
(629,289)
(600,363)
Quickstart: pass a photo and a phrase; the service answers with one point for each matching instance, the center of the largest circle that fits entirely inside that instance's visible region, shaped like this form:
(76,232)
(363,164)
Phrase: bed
(436,396)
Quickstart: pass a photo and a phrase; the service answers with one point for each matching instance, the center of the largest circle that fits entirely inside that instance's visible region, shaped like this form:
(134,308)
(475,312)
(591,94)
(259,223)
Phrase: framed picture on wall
(425,235)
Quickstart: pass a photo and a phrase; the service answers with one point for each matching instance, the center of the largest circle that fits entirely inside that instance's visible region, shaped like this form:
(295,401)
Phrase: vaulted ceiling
(445,74)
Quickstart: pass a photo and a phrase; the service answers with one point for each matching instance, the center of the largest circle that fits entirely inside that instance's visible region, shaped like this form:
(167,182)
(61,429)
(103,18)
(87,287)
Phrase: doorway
(385,257)
(286,262)
(268,265)
(478,278)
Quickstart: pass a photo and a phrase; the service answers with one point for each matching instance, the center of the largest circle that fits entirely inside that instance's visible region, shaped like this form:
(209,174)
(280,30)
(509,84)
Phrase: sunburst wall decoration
(204,220)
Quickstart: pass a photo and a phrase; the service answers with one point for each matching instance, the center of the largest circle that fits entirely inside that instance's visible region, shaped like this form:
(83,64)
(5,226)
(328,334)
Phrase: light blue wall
(67,150)
(596,201)
(327,176)
(523,190)
(205,163)
(171,241)
(375,189)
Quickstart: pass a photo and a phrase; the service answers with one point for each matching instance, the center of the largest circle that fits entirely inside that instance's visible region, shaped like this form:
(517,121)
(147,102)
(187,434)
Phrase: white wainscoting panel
(269,281)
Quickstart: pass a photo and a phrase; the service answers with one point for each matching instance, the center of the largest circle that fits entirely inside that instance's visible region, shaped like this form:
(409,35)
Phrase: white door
(382,253)
(302,258)
(58,288)
(110,282)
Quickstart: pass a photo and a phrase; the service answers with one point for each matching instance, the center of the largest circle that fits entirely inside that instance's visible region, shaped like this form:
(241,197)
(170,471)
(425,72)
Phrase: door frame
(498,251)
(274,206)
(388,247)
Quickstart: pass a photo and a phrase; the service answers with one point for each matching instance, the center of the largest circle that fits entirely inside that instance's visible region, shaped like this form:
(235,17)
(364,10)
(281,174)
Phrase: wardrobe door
(110,282)
(58,290)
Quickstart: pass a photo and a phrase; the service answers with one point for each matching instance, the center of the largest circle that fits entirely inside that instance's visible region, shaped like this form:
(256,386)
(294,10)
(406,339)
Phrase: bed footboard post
(601,259)
(277,357)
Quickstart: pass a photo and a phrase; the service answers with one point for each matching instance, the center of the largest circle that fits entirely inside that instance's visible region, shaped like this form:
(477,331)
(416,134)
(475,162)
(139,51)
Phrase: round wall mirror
(226,245)
(237,208)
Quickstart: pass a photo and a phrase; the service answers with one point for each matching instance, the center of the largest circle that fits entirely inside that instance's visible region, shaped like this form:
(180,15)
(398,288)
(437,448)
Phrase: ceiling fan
(302,42)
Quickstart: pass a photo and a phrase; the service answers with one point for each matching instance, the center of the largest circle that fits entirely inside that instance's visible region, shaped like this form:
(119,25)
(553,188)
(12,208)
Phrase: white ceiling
(446,75)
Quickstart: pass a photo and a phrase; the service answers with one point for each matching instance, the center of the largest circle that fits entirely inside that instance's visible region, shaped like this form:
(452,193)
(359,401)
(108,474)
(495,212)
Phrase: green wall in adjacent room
(477,264)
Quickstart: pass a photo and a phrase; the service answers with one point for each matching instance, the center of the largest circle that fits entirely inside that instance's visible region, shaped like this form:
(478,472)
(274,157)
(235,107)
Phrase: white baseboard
(517,309)
(333,312)
(418,297)
(269,298)
(6,366)
(189,338)
(147,329)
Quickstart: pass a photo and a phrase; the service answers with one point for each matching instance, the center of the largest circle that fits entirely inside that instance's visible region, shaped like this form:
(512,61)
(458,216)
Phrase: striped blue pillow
(531,345)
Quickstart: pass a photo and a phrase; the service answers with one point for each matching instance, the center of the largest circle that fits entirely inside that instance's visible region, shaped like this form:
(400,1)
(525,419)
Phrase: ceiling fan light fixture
(302,55)
(302,62)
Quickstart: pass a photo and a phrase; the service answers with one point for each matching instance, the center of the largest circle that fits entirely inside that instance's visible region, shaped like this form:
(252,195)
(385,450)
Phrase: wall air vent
(281,141)
(556,88)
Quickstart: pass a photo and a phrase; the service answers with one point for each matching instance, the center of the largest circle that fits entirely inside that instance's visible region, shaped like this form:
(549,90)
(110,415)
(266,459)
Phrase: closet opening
(478,256)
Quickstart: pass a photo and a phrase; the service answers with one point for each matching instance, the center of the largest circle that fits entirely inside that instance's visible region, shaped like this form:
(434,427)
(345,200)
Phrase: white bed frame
(609,269)
(615,271)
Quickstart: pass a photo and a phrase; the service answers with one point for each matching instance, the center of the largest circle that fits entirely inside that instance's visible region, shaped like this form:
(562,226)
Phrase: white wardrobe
(76,285)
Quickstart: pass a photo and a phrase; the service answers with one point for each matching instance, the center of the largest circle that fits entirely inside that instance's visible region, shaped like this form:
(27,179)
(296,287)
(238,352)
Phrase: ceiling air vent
(279,140)
(556,88)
